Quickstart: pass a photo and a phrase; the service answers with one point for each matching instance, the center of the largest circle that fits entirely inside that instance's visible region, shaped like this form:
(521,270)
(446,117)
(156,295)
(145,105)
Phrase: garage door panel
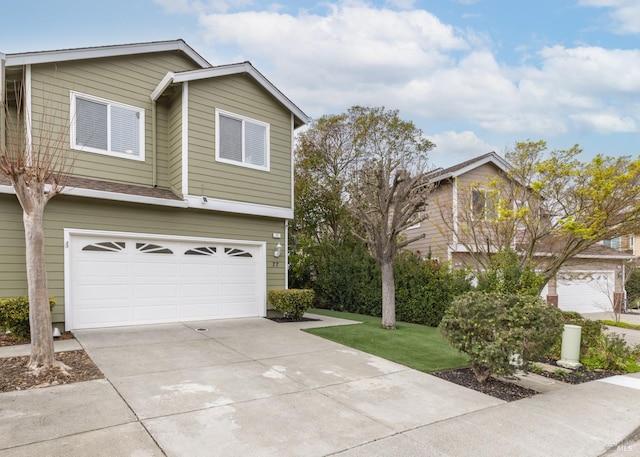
(196,310)
(112,315)
(585,291)
(195,273)
(151,313)
(101,293)
(136,280)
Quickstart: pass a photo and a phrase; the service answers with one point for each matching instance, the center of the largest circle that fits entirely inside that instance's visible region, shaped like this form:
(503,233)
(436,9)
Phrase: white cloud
(201,6)
(410,60)
(454,147)
(605,123)
(401,4)
(625,14)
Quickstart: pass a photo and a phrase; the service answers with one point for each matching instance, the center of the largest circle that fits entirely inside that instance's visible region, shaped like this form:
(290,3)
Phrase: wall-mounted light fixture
(277,250)
(204,199)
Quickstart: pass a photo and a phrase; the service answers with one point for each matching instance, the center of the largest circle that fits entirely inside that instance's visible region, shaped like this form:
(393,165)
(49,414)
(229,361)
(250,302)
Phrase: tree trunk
(42,353)
(388,295)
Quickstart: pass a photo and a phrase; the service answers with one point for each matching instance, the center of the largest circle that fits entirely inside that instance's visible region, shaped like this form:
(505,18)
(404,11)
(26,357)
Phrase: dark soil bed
(494,387)
(282,320)
(577,376)
(15,376)
(7,339)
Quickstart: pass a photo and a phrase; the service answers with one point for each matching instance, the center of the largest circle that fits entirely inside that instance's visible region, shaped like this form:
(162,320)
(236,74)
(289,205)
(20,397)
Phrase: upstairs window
(613,243)
(482,205)
(242,141)
(106,127)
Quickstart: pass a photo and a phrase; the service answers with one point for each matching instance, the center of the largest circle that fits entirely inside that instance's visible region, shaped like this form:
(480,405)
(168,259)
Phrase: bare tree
(388,189)
(34,158)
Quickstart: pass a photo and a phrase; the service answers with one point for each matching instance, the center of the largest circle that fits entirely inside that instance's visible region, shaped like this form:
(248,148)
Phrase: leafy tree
(363,173)
(549,207)
(35,162)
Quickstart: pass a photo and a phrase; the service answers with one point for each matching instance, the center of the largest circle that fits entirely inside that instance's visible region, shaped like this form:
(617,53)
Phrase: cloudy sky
(474,75)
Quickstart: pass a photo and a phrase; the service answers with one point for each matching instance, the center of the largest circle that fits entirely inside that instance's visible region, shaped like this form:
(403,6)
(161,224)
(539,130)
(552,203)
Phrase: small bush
(14,315)
(493,329)
(293,302)
(611,353)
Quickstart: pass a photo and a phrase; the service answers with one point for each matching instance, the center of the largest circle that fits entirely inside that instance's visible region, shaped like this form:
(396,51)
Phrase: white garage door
(117,280)
(585,291)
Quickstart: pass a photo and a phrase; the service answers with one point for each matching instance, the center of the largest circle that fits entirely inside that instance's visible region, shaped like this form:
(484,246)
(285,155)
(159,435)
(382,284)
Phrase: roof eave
(39,57)
(239,68)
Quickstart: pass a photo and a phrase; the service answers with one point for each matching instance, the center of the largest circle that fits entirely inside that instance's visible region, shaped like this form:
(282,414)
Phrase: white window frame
(141,140)
(488,213)
(244,120)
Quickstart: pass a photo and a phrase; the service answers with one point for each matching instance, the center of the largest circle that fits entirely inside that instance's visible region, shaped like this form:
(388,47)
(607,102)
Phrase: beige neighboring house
(590,282)
(178,204)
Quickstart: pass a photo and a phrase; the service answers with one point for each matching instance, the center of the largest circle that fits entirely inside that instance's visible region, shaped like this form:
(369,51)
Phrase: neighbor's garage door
(585,291)
(126,281)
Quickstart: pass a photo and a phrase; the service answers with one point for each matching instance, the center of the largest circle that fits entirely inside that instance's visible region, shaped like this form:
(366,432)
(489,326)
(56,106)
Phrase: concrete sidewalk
(254,387)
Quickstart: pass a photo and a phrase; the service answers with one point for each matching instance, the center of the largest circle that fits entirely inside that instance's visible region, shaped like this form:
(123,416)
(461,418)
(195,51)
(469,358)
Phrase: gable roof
(226,70)
(63,55)
(468,165)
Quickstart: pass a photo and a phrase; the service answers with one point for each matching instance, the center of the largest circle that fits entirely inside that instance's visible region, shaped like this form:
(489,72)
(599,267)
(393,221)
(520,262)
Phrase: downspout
(27,113)
(2,107)
(154,146)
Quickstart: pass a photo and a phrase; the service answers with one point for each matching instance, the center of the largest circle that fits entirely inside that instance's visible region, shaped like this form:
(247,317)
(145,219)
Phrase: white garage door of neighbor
(585,291)
(116,280)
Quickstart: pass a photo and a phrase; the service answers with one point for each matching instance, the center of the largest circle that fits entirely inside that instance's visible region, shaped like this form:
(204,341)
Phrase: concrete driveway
(254,387)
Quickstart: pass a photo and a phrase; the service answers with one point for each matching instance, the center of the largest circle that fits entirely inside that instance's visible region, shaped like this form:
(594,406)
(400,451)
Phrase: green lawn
(413,345)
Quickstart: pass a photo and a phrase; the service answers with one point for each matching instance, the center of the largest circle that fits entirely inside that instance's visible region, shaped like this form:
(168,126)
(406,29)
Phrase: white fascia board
(493,158)
(228,206)
(104,195)
(162,86)
(191,201)
(32,58)
(244,67)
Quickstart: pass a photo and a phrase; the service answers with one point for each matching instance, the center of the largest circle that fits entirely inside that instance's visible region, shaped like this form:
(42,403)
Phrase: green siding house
(180,191)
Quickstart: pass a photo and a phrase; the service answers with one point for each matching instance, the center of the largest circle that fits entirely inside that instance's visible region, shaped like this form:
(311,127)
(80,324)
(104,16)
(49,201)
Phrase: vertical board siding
(127,79)
(238,94)
(81,213)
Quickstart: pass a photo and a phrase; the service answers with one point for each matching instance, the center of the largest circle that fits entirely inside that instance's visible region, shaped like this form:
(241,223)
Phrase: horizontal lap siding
(129,80)
(12,262)
(80,213)
(238,94)
(435,241)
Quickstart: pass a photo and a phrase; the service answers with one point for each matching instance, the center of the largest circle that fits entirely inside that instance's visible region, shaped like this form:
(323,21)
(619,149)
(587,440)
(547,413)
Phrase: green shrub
(346,278)
(14,315)
(506,275)
(493,328)
(293,302)
(425,288)
(611,353)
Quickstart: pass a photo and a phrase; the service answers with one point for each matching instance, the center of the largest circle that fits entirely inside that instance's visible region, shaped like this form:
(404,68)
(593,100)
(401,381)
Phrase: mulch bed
(15,376)
(499,389)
